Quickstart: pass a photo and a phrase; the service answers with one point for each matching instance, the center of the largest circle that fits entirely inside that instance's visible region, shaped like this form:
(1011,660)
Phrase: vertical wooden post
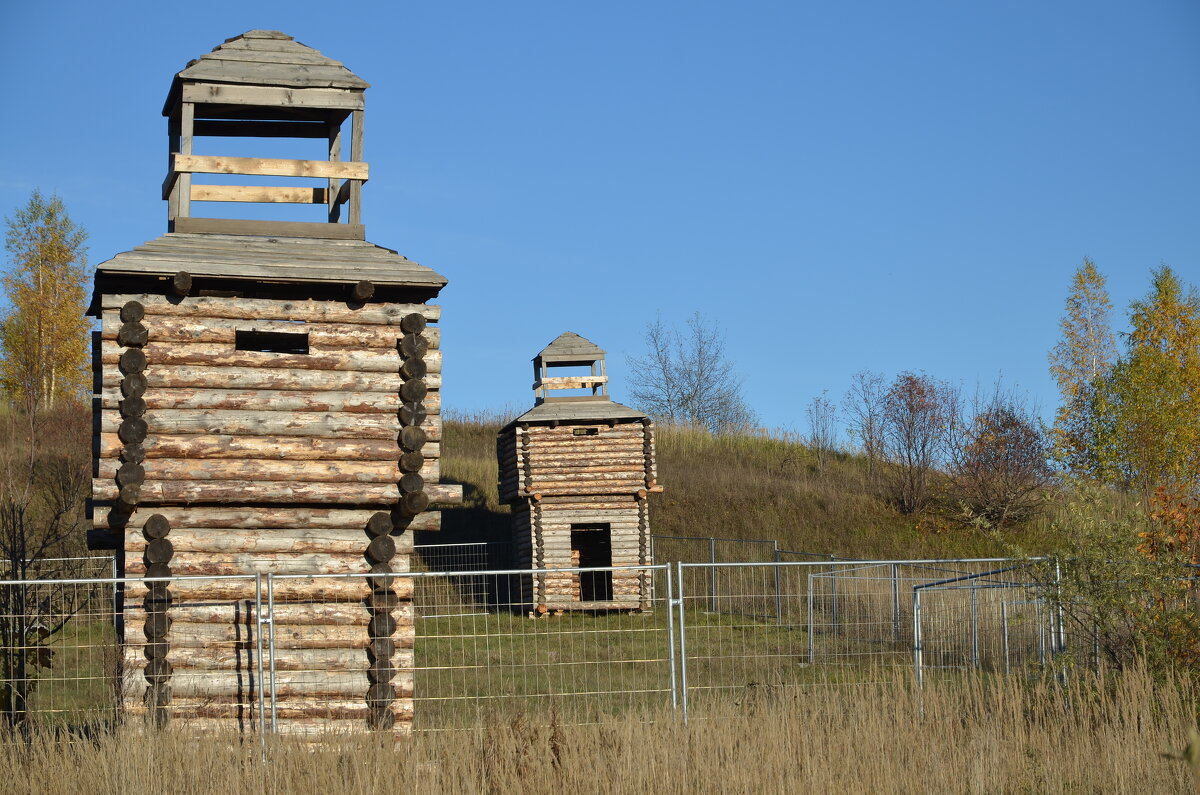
(172,150)
(335,185)
(356,155)
(187,116)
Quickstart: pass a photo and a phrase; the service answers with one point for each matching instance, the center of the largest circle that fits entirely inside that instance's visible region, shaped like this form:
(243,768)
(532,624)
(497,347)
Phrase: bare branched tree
(862,407)
(44,480)
(918,415)
(822,427)
(998,459)
(686,379)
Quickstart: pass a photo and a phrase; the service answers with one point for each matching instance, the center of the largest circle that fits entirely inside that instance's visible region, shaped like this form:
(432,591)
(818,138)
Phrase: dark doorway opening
(591,545)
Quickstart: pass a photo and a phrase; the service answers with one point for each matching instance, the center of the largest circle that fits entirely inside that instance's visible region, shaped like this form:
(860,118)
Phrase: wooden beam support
(269,167)
(273,309)
(271,97)
(187,117)
(223,226)
(334,133)
(572,382)
(222,492)
(356,155)
(259,194)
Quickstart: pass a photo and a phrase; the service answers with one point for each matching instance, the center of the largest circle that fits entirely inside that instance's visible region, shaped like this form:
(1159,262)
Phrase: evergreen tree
(44,335)
(1080,363)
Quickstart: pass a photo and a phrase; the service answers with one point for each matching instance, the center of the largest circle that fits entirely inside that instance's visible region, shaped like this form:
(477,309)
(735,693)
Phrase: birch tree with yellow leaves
(1081,362)
(1155,389)
(44,333)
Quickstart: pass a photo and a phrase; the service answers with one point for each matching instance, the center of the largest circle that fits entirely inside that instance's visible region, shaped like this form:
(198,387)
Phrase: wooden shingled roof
(578,411)
(270,58)
(569,346)
(280,259)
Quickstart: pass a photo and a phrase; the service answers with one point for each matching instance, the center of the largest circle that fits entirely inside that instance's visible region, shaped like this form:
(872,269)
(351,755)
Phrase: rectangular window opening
(585,431)
(271,342)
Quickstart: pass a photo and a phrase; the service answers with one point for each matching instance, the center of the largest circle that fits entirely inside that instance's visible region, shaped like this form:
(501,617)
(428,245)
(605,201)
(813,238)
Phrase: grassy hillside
(748,488)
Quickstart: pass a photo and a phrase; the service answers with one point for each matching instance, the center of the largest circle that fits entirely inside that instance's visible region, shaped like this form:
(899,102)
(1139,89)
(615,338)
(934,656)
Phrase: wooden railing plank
(259,194)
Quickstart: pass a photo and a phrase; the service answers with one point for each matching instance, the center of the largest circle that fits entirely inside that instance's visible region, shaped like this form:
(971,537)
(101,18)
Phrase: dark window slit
(271,342)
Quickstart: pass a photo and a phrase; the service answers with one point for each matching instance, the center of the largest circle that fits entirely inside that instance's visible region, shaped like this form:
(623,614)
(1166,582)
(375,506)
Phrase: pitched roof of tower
(570,345)
(268,258)
(270,58)
(578,411)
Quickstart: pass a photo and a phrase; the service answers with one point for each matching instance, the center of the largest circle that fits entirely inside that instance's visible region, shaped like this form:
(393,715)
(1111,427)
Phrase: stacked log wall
(559,514)
(556,477)
(552,461)
(524,550)
(232,441)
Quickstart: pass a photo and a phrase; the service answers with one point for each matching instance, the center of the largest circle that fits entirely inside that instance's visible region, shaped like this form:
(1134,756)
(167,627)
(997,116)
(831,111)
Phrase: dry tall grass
(977,734)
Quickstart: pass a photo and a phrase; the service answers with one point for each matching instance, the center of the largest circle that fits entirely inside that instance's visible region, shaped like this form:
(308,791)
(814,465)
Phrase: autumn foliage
(44,336)
(1175,530)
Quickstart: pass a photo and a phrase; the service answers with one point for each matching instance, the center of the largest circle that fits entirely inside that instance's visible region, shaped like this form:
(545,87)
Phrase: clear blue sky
(842,186)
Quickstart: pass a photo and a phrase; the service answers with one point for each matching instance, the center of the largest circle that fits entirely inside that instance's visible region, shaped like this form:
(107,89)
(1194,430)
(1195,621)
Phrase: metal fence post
(895,602)
(671,640)
(974,626)
(258,644)
(778,591)
(271,647)
(833,599)
(918,654)
(683,686)
(1004,631)
(1041,623)
(116,602)
(712,575)
(1062,634)
(812,648)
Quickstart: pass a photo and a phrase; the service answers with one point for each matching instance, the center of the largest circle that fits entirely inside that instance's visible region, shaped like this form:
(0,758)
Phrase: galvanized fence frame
(736,623)
(119,682)
(986,582)
(724,626)
(542,644)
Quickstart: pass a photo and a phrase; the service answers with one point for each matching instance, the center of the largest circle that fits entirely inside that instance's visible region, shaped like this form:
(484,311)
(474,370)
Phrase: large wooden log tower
(267,400)
(577,470)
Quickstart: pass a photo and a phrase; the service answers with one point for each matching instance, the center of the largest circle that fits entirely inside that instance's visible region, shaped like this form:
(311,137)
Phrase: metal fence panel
(578,665)
(73,653)
(62,667)
(468,643)
(748,626)
(294,652)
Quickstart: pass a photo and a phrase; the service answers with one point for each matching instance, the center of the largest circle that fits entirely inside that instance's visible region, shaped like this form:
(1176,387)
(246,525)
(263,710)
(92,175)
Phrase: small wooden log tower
(577,470)
(267,400)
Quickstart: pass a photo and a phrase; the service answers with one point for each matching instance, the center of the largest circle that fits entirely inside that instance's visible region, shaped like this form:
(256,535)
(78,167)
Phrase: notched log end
(181,284)
(132,312)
